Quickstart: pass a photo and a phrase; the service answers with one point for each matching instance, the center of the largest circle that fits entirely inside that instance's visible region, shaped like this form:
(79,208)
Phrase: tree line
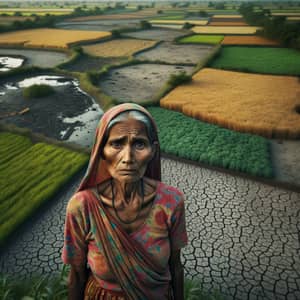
(273,27)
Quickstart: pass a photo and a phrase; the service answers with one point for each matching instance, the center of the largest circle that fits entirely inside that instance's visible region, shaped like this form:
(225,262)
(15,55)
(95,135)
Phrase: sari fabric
(89,225)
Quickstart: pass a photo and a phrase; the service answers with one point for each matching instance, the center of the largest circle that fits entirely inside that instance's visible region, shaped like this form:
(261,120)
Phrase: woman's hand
(77,281)
(176,269)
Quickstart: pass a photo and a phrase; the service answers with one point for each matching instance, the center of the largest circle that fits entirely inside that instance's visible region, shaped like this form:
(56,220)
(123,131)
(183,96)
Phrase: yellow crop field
(260,104)
(248,40)
(225,30)
(179,22)
(116,48)
(228,16)
(291,14)
(293,18)
(227,23)
(50,38)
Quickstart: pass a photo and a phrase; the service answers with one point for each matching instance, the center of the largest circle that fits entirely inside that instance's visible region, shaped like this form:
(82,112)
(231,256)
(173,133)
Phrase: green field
(192,139)
(201,39)
(265,60)
(30,174)
(170,17)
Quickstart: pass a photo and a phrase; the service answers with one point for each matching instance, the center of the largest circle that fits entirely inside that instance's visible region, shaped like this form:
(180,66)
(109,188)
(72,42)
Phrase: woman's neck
(126,190)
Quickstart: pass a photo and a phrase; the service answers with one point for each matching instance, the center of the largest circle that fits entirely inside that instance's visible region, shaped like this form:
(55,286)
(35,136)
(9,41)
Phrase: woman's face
(128,151)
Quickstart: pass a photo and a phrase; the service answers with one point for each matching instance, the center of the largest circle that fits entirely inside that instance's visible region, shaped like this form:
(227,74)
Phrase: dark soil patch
(68,114)
(139,83)
(87,63)
(170,53)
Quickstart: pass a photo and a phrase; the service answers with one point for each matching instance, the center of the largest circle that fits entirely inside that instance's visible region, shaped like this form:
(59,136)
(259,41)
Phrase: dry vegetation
(227,16)
(225,30)
(248,40)
(50,38)
(6,20)
(260,104)
(117,48)
(180,22)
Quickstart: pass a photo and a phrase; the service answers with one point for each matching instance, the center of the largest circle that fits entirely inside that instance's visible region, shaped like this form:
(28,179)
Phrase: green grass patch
(265,60)
(170,17)
(201,39)
(38,91)
(30,175)
(198,141)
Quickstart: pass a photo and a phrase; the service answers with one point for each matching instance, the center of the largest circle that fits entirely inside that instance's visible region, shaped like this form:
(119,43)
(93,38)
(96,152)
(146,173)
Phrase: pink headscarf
(97,169)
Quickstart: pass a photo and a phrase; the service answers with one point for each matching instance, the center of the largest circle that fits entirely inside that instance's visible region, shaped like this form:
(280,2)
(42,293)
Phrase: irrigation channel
(243,235)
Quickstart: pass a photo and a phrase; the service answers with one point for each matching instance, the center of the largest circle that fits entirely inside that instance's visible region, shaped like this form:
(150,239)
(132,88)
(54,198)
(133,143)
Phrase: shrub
(177,79)
(187,25)
(38,91)
(145,24)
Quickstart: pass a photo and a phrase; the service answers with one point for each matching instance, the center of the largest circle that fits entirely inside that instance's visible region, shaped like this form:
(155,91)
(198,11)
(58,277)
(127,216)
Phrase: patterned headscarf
(97,168)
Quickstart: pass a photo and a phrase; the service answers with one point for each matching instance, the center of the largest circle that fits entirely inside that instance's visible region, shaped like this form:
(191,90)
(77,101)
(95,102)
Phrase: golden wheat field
(228,16)
(180,22)
(225,30)
(50,38)
(237,23)
(260,104)
(248,40)
(116,48)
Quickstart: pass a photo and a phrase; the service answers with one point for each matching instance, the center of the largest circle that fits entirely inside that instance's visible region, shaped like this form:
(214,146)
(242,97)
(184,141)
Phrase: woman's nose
(128,154)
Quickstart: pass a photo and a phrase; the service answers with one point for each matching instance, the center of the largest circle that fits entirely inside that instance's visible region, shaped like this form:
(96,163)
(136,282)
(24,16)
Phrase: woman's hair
(134,114)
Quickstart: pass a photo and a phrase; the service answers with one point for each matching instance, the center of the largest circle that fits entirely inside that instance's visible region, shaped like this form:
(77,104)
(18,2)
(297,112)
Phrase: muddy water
(139,83)
(170,53)
(69,114)
(157,34)
(41,58)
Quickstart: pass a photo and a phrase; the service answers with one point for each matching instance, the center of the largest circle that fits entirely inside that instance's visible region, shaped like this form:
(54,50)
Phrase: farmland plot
(49,38)
(41,58)
(248,40)
(69,114)
(117,48)
(261,104)
(179,22)
(31,174)
(138,83)
(170,53)
(157,34)
(265,60)
(225,29)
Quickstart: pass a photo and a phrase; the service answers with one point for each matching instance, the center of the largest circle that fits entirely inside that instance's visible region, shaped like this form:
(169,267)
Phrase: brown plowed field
(260,104)
(117,48)
(248,40)
(50,38)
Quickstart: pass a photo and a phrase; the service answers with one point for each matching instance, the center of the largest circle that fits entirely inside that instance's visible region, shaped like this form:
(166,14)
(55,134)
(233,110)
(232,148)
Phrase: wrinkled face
(128,151)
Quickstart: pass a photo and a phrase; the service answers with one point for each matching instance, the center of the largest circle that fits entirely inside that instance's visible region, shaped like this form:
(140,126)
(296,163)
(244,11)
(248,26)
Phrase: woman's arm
(176,269)
(76,283)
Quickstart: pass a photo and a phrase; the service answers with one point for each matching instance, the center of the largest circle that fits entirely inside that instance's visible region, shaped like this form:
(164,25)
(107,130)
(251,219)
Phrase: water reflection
(8,63)
(70,114)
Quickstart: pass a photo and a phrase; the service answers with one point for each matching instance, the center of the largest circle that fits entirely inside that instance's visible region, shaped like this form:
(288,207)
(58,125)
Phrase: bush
(145,24)
(187,25)
(177,79)
(38,91)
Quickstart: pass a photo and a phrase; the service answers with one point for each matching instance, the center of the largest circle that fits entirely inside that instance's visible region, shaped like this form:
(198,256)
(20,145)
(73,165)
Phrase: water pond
(41,58)
(69,114)
(139,83)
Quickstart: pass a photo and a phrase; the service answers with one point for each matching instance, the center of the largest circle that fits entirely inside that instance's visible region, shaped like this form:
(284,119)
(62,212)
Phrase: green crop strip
(30,175)
(265,60)
(192,139)
(201,39)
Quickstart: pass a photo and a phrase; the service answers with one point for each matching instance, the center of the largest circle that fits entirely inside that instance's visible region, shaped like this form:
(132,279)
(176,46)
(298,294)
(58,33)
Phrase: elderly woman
(124,228)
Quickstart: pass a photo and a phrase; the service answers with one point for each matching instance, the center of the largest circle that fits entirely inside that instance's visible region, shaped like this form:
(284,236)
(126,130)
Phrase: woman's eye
(116,145)
(140,145)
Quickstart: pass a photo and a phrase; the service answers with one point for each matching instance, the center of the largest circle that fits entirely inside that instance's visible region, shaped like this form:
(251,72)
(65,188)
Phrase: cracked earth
(243,235)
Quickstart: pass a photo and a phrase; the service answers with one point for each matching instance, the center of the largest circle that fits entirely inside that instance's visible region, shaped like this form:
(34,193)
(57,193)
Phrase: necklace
(115,210)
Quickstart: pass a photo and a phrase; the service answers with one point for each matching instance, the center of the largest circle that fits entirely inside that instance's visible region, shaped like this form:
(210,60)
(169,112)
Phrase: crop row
(30,177)
(192,139)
